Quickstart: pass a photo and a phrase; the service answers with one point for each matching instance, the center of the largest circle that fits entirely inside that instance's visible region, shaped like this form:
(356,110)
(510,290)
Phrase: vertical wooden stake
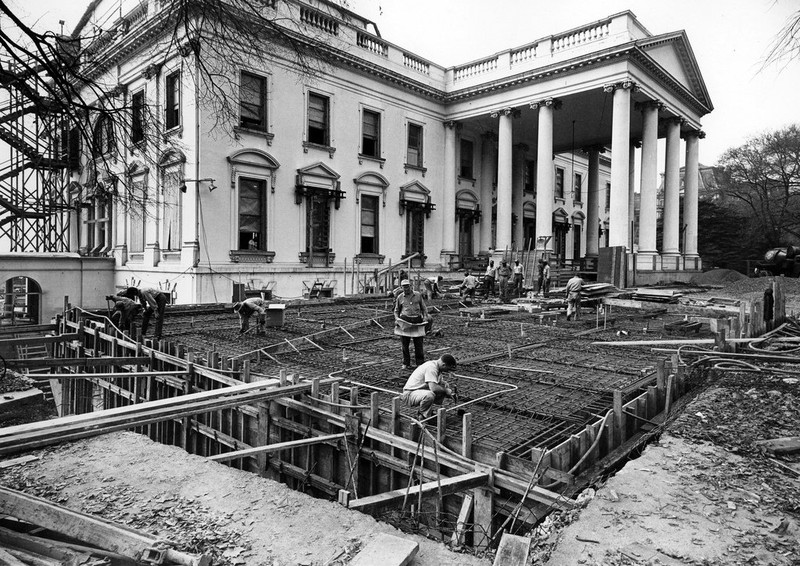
(466,435)
(619,419)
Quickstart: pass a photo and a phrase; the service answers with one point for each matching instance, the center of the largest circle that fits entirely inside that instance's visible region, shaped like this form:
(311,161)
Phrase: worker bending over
(426,387)
(154,303)
(574,287)
(125,311)
(245,310)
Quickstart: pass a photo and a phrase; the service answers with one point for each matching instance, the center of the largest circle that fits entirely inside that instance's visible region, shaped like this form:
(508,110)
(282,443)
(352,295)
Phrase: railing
(522,54)
(473,69)
(136,15)
(319,21)
(580,36)
(416,64)
(372,44)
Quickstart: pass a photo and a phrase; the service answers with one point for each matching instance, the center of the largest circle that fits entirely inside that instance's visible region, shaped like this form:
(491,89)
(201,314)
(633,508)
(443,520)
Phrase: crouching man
(246,309)
(125,311)
(426,387)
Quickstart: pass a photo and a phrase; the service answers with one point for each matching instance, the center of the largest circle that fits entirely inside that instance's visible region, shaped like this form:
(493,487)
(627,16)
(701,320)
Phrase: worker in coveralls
(245,310)
(574,287)
(426,387)
(125,311)
(154,303)
(410,307)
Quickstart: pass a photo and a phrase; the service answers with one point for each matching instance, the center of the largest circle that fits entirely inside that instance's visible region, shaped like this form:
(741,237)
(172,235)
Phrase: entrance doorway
(21,302)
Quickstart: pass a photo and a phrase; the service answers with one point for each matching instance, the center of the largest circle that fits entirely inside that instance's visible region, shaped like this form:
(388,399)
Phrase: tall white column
(448,204)
(518,182)
(545,182)
(504,180)
(648,204)
(672,197)
(690,193)
(631,199)
(620,146)
(488,166)
(593,205)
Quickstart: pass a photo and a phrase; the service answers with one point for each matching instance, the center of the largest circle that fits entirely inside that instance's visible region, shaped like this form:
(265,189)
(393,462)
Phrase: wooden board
(785,445)
(512,551)
(386,550)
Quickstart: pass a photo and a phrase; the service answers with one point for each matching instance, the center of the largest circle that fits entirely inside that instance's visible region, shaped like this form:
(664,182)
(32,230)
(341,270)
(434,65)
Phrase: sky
(730,39)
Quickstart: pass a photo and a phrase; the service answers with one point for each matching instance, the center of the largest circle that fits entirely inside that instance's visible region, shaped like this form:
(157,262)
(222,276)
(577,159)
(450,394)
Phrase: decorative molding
(553,103)
(642,106)
(152,70)
(252,256)
(308,145)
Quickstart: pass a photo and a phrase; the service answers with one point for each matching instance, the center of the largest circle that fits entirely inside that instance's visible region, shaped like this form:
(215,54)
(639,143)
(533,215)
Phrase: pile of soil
(717,277)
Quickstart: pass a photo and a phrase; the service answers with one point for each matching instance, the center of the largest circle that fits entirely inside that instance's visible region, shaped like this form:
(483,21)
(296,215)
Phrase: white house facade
(382,155)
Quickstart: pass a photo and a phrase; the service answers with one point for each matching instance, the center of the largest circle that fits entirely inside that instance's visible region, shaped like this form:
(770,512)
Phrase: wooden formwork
(335,441)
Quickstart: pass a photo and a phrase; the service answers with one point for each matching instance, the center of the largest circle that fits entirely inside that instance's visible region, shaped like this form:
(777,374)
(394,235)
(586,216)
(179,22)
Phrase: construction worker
(245,310)
(488,279)
(503,276)
(545,278)
(410,307)
(469,285)
(426,388)
(432,286)
(154,302)
(125,311)
(519,276)
(574,287)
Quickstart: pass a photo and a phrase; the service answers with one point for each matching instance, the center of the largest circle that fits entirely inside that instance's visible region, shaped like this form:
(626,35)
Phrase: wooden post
(441,424)
(263,437)
(246,371)
(483,513)
(282,377)
(466,435)
(374,411)
(335,398)
(619,419)
(668,398)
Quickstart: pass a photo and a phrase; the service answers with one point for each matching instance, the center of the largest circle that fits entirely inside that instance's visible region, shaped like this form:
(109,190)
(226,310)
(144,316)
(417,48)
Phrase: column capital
(451,124)
(590,148)
(627,84)
(504,111)
(636,142)
(648,104)
(674,120)
(699,134)
(553,103)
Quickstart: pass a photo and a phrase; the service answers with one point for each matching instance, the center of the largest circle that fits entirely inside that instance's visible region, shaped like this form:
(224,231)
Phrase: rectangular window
(608,195)
(172,101)
(559,190)
(577,189)
(137,117)
(415,231)
(253,101)
(318,119)
(466,159)
(172,209)
(137,217)
(414,151)
(530,177)
(252,214)
(369,224)
(576,241)
(371,133)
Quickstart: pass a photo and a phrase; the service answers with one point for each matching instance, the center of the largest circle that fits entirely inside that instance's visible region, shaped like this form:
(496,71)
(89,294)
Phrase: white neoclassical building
(382,155)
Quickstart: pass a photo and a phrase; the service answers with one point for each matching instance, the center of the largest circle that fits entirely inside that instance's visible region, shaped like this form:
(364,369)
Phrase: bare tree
(764,175)
(786,47)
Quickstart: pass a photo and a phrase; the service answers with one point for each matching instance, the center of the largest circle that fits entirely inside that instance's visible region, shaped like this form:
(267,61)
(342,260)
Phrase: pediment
(253,158)
(673,54)
(171,157)
(319,169)
(415,191)
(373,179)
(467,200)
(319,176)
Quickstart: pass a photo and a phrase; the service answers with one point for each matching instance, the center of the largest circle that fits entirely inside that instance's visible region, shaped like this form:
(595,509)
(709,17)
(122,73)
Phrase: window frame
(608,195)
(558,183)
(261,186)
(376,139)
(375,200)
(172,100)
(466,168)
(103,142)
(261,105)
(577,187)
(137,117)
(420,148)
(326,129)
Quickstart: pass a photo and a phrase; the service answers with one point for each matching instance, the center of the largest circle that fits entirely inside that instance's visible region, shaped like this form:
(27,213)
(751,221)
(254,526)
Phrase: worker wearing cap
(154,302)
(503,275)
(426,387)
(246,309)
(410,307)
(574,287)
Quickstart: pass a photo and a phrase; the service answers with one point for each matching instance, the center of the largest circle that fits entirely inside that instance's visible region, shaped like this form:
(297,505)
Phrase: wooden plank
(111,375)
(386,550)
(37,340)
(8,559)
(90,529)
(18,461)
(463,519)
(276,447)
(784,445)
(512,551)
(382,501)
(18,363)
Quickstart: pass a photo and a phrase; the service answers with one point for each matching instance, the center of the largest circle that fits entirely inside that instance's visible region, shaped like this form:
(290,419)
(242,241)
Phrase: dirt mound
(717,277)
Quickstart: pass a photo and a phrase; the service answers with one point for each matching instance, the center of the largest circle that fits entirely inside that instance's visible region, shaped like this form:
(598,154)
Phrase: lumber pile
(93,540)
(657,295)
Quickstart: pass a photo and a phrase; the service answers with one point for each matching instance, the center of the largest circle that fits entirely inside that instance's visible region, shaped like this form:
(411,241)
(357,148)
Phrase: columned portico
(648,213)
(504,179)
(620,147)
(449,226)
(592,205)
(690,195)
(545,175)
(488,166)
(671,239)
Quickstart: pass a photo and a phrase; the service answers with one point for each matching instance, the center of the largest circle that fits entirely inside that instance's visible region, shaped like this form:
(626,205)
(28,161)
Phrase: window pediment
(467,200)
(415,192)
(254,162)
(529,209)
(372,179)
(171,157)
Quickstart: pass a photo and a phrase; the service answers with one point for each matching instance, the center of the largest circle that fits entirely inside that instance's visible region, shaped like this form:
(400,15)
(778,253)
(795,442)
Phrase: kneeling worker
(245,310)
(426,388)
(125,311)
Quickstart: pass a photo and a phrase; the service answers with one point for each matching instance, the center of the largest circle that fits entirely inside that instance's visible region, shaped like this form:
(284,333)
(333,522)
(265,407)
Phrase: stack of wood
(657,295)
(596,290)
(34,531)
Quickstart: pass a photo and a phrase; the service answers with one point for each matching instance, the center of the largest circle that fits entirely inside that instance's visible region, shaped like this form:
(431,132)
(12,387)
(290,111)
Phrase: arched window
(103,142)
(371,198)
(171,175)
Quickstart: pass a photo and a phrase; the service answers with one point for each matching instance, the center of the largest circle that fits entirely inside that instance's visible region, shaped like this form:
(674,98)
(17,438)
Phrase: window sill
(466,180)
(171,256)
(308,145)
(371,259)
(251,256)
(419,168)
(577,203)
(137,257)
(238,131)
(362,158)
(175,131)
(318,257)
(560,200)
